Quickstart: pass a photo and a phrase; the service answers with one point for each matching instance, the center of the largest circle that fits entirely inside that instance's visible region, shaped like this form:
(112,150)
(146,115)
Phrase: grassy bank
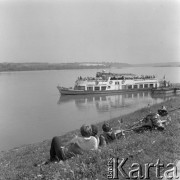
(142,148)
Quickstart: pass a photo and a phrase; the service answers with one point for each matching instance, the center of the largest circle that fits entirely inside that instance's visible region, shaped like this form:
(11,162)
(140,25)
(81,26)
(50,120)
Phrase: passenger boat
(109,83)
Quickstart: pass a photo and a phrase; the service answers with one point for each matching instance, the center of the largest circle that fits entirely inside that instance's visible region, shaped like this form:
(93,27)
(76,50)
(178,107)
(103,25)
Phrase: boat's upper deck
(117,75)
(104,77)
(123,76)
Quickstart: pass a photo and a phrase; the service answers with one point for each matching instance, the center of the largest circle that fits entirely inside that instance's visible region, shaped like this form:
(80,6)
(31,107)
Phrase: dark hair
(106,127)
(94,130)
(85,131)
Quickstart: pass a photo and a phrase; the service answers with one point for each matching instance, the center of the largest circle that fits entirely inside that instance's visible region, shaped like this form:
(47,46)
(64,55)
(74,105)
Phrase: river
(32,110)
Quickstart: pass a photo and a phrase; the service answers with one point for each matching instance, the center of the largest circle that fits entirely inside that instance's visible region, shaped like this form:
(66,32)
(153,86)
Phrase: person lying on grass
(109,135)
(150,122)
(74,147)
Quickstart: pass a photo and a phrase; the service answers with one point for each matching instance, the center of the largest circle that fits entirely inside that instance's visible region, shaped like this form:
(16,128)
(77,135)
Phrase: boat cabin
(111,81)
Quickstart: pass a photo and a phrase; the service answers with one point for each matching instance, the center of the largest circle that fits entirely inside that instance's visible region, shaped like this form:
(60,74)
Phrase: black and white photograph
(89,89)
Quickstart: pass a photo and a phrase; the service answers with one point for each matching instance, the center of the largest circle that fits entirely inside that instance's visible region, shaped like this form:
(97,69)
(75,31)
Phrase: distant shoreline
(11,67)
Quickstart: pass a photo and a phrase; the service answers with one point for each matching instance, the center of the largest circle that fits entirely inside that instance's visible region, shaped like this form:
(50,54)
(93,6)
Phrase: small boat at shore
(110,83)
(166,90)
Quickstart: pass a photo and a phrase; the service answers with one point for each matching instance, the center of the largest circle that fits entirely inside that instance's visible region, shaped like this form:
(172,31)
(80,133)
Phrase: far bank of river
(10,67)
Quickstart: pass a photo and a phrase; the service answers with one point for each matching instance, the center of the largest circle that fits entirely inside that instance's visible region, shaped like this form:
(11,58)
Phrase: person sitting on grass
(74,147)
(94,132)
(109,135)
(163,111)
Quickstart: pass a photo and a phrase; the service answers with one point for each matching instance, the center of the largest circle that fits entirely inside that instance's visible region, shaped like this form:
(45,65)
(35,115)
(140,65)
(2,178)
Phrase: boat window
(129,86)
(146,86)
(141,86)
(96,88)
(135,86)
(109,87)
(81,87)
(151,85)
(123,86)
(116,82)
(103,88)
(90,88)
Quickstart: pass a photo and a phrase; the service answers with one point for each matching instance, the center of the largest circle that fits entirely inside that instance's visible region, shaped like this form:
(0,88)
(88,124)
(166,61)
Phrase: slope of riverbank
(148,147)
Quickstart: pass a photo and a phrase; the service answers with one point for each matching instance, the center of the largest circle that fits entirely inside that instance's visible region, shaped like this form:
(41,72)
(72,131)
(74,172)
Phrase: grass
(147,147)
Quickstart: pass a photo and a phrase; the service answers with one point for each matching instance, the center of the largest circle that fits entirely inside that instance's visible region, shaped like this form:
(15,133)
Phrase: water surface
(32,110)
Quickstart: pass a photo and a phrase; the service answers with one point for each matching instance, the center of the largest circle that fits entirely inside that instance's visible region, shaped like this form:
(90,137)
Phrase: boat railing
(100,79)
(91,80)
(143,79)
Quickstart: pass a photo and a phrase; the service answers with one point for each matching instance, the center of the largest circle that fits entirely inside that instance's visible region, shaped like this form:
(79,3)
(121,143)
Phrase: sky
(55,31)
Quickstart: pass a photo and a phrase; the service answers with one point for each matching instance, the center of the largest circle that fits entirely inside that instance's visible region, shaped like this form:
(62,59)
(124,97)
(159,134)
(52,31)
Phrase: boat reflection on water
(164,96)
(104,103)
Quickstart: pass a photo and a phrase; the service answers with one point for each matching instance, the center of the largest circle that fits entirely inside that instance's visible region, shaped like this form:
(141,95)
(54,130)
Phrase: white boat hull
(68,91)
